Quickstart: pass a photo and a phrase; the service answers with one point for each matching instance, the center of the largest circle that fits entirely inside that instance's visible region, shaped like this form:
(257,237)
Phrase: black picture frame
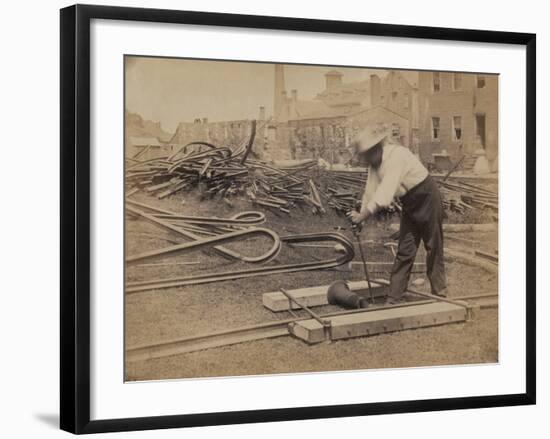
(75,217)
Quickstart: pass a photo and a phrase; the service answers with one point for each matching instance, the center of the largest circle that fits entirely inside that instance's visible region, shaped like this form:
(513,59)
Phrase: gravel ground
(155,316)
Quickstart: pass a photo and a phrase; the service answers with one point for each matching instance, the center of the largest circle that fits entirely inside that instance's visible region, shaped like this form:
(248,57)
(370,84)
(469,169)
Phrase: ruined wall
(227,133)
(136,126)
(329,138)
(318,138)
(277,143)
(398,125)
(396,94)
(399,94)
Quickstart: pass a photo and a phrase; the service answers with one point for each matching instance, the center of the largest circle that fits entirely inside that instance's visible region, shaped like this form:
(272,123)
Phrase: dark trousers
(421,219)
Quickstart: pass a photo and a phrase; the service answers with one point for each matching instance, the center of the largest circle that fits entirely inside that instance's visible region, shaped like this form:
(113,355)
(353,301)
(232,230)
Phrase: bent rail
(217,239)
(342,258)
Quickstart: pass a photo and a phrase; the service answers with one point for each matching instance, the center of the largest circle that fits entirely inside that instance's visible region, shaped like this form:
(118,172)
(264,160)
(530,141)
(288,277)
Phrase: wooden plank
(313,296)
(380,321)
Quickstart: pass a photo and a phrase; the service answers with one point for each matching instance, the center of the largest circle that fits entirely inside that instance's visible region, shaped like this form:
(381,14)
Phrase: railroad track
(262,331)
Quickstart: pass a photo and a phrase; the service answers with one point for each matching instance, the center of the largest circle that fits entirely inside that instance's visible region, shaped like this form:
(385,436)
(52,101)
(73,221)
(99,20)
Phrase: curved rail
(342,258)
(184,148)
(218,239)
(248,218)
(184,229)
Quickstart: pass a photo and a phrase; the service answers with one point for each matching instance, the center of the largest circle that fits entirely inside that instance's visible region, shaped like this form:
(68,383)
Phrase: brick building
(458,113)
(430,112)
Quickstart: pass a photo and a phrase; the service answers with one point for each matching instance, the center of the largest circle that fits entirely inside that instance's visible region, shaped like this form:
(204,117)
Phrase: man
(394,171)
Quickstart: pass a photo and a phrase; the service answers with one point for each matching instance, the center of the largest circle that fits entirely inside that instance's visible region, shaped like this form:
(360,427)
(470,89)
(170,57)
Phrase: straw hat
(369,137)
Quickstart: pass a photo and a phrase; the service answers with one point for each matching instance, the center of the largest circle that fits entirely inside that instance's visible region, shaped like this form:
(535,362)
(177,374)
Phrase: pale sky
(173,90)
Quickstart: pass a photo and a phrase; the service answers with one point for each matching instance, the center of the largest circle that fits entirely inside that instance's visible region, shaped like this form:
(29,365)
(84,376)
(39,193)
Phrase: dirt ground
(159,315)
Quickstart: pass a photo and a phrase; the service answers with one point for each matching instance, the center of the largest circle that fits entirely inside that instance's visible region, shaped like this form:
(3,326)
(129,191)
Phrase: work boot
(442,293)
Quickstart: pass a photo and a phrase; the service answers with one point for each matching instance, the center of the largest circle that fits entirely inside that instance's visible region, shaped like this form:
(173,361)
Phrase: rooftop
(144,141)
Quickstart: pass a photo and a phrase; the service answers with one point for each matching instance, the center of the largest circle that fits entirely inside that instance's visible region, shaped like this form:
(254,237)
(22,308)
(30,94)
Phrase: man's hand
(356,217)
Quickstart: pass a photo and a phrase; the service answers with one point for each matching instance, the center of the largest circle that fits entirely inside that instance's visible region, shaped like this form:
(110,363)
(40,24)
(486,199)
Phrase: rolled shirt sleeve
(387,188)
(370,188)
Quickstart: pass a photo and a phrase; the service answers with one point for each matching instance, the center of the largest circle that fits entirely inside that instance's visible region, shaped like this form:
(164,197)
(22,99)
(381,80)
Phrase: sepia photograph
(297,218)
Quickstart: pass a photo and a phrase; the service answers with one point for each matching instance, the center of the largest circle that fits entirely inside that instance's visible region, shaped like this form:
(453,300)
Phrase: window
(435,128)
(457,81)
(394,95)
(480,81)
(436,82)
(480,129)
(395,130)
(406,103)
(457,127)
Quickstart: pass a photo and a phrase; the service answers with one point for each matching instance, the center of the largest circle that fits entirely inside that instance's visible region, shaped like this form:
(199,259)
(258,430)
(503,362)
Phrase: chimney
(333,79)
(375,89)
(262,113)
(279,91)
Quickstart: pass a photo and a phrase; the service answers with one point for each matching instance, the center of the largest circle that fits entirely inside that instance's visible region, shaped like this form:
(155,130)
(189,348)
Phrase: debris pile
(344,188)
(222,172)
(461,196)
(282,189)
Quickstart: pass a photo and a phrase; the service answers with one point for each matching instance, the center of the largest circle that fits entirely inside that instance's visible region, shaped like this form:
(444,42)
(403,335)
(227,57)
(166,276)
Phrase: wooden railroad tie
(372,322)
(314,296)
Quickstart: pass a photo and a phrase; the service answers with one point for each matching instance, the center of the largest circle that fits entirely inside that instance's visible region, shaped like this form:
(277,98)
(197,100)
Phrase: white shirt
(399,172)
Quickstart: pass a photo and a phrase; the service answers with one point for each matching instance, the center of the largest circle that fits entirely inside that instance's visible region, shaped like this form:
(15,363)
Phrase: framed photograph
(275,218)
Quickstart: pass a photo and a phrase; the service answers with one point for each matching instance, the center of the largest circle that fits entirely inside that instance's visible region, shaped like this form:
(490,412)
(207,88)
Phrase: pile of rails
(342,188)
(220,171)
(461,196)
(306,183)
(213,168)
(283,188)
